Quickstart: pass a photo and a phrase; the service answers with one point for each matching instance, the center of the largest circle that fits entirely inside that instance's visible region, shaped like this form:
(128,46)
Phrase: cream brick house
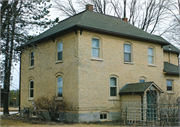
(94,62)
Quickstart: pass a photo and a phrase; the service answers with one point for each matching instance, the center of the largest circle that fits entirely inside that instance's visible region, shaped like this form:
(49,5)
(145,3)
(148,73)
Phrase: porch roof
(171,69)
(137,88)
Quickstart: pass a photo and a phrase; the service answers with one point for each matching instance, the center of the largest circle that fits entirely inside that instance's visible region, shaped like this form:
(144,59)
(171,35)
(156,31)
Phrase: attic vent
(89,7)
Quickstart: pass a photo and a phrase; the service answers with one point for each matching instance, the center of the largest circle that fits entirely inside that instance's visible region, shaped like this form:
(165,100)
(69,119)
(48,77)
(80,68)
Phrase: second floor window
(150,56)
(60,51)
(95,48)
(127,53)
(60,87)
(32,58)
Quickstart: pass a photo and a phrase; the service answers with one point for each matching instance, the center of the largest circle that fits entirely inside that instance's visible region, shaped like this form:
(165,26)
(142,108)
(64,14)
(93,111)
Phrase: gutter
(20,83)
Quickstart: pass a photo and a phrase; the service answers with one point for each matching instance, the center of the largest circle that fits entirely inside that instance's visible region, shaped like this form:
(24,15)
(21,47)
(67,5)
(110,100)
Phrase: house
(95,62)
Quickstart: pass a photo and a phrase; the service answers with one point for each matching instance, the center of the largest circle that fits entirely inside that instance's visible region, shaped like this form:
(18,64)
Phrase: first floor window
(60,87)
(150,56)
(31,89)
(60,51)
(113,86)
(127,53)
(95,48)
(169,85)
(142,79)
(32,59)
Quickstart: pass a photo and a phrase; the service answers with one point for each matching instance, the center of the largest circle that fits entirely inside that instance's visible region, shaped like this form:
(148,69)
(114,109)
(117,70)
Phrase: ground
(16,120)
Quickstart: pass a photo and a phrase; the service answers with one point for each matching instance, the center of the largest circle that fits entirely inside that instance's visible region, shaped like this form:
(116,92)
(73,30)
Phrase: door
(151,104)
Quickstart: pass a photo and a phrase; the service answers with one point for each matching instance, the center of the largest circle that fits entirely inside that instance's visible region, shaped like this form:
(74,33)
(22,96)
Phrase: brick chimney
(89,7)
(125,19)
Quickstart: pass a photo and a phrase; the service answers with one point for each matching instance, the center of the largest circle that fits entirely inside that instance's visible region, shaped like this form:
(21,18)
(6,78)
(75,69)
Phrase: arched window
(59,87)
(142,79)
(113,86)
(31,89)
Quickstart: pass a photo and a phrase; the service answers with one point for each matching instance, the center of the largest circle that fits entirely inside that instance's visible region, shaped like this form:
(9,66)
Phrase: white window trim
(168,91)
(59,61)
(102,113)
(128,62)
(154,57)
(100,58)
(114,98)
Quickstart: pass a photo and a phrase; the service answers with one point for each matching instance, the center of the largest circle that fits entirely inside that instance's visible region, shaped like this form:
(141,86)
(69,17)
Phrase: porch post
(144,106)
(179,110)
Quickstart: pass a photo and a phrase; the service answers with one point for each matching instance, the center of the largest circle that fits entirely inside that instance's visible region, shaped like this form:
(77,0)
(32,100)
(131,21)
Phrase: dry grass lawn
(17,123)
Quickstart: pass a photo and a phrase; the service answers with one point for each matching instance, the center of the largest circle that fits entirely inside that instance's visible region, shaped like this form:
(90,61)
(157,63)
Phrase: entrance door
(151,104)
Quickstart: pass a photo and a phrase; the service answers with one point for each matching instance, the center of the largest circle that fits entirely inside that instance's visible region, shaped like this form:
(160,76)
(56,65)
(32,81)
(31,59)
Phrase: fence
(151,114)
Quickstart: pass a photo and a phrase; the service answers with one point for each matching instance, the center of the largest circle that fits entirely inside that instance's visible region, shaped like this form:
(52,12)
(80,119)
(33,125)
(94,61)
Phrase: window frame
(153,56)
(131,53)
(57,52)
(172,85)
(100,56)
(32,51)
(103,113)
(59,87)
(31,89)
(113,97)
(142,78)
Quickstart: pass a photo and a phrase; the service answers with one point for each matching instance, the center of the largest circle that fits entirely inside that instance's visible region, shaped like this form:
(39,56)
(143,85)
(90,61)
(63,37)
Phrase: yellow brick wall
(171,58)
(45,71)
(94,75)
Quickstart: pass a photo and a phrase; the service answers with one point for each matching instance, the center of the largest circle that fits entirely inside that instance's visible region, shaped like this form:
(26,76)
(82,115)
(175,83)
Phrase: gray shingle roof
(172,47)
(137,88)
(171,69)
(100,23)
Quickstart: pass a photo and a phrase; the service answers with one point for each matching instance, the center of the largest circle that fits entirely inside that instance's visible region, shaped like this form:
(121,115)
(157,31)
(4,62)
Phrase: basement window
(103,116)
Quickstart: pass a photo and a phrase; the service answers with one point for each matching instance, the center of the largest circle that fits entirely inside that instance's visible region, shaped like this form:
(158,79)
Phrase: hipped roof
(88,20)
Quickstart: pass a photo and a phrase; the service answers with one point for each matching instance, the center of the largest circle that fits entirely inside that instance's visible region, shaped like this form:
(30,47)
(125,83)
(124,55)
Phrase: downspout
(20,82)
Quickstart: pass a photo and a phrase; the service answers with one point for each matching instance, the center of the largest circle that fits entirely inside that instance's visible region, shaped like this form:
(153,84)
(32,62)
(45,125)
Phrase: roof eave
(123,35)
(171,51)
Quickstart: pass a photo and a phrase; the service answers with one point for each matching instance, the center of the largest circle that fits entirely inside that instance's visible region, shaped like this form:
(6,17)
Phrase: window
(150,56)
(103,116)
(169,85)
(34,114)
(32,58)
(142,79)
(59,51)
(95,48)
(31,90)
(127,53)
(113,86)
(60,87)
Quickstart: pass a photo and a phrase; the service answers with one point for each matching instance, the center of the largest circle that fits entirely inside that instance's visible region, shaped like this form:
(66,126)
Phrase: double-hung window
(113,86)
(127,53)
(95,48)
(32,58)
(60,87)
(150,56)
(31,89)
(59,51)
(169,85)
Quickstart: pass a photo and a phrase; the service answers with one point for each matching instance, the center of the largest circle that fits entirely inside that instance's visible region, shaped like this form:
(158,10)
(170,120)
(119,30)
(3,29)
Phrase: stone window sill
(60,61)
(96,59)
(170,92)
(59,99)
(114,99)
(30,99)
(31,67)
(131,63)
(152,65)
